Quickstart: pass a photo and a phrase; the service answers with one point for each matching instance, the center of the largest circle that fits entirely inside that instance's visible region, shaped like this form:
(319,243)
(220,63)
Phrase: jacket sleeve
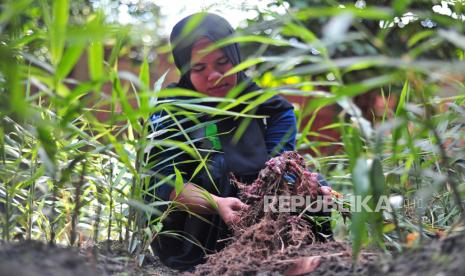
(162,156)
(280,135)
(281,132)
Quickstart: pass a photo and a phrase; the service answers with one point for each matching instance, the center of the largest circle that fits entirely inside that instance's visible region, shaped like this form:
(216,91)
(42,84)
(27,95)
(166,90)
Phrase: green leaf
(58,29)
(125,104)
(144,74)
(10,72)
(69,60)
(144,77)
(95,60)
(400,112)
(378,188)
(208,197)
(361,177)
(179,182)
(213,111)
(358,232)
(400,6)
(115,51)
(377,179)
(418,37)
(153,99)
(264,96)
(247,39)
(123,155)
(240,130)
(182,146)
(94,32)
(404,95)
(178,92)
(244,65)
(142,206)
(158,227)
(193,22)
(389,227)
(11,9)
(366,13)
(361,181)
(47,140)
(305,34)
(2,142)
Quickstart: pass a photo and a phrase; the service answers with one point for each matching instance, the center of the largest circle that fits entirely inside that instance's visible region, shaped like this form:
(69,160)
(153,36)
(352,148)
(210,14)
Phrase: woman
(218,207)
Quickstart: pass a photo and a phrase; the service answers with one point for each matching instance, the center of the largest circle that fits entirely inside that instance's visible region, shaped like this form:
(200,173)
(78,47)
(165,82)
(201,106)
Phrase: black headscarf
(190,29)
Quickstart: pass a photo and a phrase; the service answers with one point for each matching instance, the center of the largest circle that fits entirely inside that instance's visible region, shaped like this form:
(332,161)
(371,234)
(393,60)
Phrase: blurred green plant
(68,176)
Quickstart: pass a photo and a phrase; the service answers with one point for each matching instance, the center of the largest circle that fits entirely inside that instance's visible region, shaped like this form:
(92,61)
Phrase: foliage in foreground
(66,174)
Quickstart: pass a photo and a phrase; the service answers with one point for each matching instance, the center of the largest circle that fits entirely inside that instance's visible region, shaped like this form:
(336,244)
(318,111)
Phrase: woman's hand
(326,193)
(229,208)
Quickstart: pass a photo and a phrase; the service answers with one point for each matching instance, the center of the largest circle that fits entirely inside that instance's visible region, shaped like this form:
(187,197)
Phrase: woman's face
(207,70)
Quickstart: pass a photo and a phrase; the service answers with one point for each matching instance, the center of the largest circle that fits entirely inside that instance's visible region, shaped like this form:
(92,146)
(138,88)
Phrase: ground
(438,258)
(33,258)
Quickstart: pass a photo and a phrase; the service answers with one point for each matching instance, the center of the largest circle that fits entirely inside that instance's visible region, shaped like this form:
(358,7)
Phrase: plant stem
(111,204)
(53,213)
(6,226)
(120,223)
(97,214)
(6,229)
(77,206)
(31,201)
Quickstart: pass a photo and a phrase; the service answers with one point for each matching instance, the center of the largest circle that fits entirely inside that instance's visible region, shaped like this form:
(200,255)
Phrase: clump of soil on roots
(268,242)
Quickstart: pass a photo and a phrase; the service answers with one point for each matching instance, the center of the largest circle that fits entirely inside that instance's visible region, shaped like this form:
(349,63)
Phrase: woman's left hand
(229,208)
(326,195)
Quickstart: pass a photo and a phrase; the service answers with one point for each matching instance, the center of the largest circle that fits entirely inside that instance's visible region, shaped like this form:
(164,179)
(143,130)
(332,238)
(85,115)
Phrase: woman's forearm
(200,201)
(196,200)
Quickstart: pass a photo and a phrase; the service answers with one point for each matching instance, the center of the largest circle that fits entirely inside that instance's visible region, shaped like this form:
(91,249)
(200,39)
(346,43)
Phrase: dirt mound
(34,258)
(289,242)
(439,257)
(113,258)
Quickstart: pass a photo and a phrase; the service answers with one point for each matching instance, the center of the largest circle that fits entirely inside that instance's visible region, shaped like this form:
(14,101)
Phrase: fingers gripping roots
(260,238)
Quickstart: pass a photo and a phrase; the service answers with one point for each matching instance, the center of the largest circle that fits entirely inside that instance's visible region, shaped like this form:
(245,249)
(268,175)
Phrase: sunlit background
(157,17)
(152,20)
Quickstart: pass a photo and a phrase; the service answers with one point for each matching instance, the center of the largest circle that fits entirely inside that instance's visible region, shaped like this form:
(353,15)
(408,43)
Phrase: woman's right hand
(229,208)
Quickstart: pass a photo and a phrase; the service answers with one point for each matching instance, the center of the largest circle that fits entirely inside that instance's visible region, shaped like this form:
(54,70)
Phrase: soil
(436,258)
(32,258)
(35,258)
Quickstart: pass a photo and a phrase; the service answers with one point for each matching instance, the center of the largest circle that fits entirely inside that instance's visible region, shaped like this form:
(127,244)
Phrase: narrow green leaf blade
(69,60)
(95,60)
(179,182)
(58,29)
